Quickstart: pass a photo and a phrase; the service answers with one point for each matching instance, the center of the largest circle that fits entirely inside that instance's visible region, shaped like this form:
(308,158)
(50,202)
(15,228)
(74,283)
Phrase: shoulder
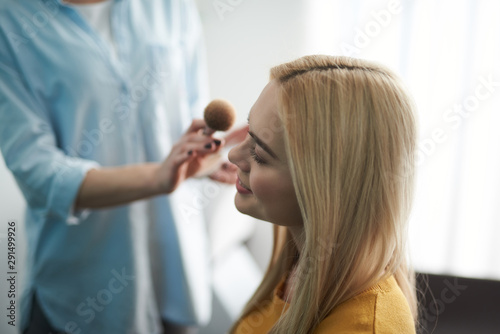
(25,24)
(381,309)
(25,18)
(8,8)
(12,13)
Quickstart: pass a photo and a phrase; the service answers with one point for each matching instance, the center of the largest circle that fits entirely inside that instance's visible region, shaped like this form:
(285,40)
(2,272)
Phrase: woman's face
(264,185)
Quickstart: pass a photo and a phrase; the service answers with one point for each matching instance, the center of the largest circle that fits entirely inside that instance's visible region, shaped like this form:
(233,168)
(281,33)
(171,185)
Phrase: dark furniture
(457,305)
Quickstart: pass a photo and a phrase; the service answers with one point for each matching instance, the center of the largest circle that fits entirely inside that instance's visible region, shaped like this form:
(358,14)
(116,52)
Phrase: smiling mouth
(241,184)
(242,188)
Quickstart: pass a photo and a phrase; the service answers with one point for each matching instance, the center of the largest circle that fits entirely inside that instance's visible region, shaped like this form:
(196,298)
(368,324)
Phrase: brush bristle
(219,115)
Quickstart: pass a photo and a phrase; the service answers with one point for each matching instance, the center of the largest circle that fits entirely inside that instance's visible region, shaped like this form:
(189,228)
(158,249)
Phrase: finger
(197,143)
(237,136)
(197,148)
(224,176)
(219,144)
(199,138)
(196,125)
(183,157)
(229,167)
(195,137)
(214,145)
(201,148)
(208,131)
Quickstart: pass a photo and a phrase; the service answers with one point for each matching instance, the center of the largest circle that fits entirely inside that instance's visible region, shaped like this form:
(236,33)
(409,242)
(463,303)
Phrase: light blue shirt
(67,106)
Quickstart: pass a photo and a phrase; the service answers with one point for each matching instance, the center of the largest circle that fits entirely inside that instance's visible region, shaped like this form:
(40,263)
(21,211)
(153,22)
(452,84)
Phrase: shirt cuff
(65,190)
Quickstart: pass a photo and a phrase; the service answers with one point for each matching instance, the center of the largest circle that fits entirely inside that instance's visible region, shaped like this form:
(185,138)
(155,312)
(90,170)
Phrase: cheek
(276,197)
(265,187)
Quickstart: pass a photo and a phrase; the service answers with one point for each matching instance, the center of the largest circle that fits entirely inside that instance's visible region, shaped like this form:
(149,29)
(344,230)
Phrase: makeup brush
(219,116)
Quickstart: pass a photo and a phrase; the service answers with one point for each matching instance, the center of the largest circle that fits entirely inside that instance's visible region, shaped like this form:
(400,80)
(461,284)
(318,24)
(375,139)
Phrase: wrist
(155,182)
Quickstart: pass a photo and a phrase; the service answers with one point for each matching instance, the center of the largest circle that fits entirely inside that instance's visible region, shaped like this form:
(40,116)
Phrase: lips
(241,188)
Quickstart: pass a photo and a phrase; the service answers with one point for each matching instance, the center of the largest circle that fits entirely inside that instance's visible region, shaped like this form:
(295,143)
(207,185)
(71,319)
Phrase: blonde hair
(350,136)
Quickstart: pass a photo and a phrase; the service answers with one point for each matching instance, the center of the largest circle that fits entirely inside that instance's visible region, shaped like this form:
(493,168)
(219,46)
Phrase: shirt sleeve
(47,177)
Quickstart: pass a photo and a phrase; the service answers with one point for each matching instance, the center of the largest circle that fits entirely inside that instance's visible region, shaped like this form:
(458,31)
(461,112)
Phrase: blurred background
(447,53)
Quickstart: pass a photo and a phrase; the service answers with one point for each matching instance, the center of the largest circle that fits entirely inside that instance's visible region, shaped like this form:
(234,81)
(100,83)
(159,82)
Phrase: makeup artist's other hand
(226,173)
(236,136)
(188,156)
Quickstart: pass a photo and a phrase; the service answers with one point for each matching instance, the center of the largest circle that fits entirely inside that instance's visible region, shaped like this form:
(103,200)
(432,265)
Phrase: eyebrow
(259,141)
(263,145)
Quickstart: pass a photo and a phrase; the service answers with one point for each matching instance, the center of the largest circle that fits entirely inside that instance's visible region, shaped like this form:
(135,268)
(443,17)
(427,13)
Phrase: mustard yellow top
(381,309)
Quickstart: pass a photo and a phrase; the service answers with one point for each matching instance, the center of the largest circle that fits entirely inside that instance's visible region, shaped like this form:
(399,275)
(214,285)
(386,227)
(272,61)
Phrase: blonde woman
(328,160)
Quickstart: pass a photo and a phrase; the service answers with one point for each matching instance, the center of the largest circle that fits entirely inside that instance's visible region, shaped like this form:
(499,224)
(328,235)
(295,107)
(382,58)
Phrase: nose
(238,157)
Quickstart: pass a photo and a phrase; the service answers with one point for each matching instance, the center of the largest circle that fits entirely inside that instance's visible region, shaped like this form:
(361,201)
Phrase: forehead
(264,120)
(266,104)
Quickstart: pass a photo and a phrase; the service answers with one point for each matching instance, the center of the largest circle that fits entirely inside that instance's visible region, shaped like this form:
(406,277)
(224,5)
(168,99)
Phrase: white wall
(243,44)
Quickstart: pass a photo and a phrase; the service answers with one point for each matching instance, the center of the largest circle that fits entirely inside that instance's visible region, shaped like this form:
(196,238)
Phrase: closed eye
(255,157)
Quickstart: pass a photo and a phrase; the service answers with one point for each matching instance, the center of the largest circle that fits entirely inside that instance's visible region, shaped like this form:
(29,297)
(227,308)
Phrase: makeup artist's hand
(226,172)
(188,157)
(110,186)
(236,136)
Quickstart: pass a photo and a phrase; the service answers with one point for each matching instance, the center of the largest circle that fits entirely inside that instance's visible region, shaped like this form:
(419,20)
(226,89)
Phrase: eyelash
(255,157)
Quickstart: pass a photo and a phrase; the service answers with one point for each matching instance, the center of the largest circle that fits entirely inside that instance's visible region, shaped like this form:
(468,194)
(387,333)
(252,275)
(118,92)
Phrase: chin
(246,208)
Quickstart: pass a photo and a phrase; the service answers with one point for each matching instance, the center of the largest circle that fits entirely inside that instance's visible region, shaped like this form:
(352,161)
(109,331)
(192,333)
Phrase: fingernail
(190,152)
(217,142)
(208,146)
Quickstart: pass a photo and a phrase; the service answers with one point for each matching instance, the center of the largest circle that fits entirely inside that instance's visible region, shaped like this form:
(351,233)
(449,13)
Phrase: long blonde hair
(350,137)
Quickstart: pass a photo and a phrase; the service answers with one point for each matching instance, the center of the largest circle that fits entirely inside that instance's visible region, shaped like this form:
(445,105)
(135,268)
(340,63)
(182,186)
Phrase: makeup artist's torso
(71,106)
